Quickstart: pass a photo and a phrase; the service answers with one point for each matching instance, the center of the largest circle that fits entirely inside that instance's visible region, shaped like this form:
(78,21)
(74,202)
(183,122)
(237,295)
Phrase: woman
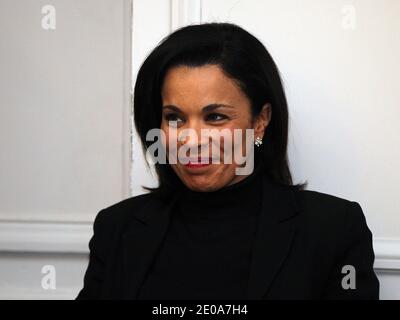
(209,230)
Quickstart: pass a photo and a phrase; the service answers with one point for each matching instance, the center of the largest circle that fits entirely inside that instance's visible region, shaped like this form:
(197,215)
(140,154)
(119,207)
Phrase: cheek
(236,139)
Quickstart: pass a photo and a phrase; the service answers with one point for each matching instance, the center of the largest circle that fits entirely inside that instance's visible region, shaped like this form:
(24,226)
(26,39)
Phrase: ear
(262,120)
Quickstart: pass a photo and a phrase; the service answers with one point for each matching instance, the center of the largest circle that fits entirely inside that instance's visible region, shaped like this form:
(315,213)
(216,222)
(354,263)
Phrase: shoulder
(325,205)
(128,209)
(329,213)
(311,200)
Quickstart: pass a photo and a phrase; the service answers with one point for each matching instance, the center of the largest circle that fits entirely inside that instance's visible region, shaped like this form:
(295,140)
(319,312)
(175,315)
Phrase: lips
(199,162)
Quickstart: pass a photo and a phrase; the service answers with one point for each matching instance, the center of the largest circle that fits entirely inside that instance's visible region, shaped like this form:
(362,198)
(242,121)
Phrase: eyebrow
(208,108)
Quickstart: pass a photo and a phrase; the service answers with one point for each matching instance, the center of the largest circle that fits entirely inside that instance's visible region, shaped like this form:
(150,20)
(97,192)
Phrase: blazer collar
(276,230)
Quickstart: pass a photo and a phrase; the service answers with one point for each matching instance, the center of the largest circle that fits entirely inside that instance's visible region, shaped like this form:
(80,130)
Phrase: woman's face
(197,98)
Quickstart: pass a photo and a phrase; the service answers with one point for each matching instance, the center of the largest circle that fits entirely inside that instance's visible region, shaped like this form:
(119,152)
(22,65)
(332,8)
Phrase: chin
(202,185)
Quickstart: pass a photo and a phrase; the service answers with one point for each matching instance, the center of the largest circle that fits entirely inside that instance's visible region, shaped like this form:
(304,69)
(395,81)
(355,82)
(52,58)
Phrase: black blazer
(305,239)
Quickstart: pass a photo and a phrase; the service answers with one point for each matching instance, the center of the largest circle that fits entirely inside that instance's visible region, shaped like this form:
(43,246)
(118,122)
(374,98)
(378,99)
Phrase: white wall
(340,82)
(64,135)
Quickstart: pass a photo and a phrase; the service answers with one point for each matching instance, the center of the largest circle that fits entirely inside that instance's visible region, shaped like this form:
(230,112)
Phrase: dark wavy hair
(243,58)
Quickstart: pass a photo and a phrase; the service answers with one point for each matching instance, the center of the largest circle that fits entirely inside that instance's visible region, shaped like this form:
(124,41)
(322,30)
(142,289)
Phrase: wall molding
(51,217)
(184,12)
(58,237)
(27,293)
(387,254)
(45,237)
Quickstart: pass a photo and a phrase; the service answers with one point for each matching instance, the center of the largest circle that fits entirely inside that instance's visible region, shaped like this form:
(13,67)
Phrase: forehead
(205,84)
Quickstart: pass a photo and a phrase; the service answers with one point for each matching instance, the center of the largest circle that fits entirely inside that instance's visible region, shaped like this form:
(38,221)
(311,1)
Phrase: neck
(236,199)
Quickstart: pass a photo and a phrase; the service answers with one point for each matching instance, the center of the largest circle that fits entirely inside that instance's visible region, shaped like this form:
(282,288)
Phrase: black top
(304,240)
(207,250)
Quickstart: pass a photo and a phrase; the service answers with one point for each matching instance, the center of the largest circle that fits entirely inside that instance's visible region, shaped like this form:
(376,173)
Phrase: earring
(258,142)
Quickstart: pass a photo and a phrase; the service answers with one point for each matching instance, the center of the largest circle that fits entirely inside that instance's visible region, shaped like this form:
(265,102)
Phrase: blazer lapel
(275,234)
(141,242)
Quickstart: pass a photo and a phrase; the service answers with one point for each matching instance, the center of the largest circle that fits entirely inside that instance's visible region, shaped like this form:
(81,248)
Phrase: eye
(171,118)
(216,117)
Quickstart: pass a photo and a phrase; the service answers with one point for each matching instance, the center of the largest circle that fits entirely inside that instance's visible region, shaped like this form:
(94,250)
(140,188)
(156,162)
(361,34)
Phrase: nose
(191,136)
